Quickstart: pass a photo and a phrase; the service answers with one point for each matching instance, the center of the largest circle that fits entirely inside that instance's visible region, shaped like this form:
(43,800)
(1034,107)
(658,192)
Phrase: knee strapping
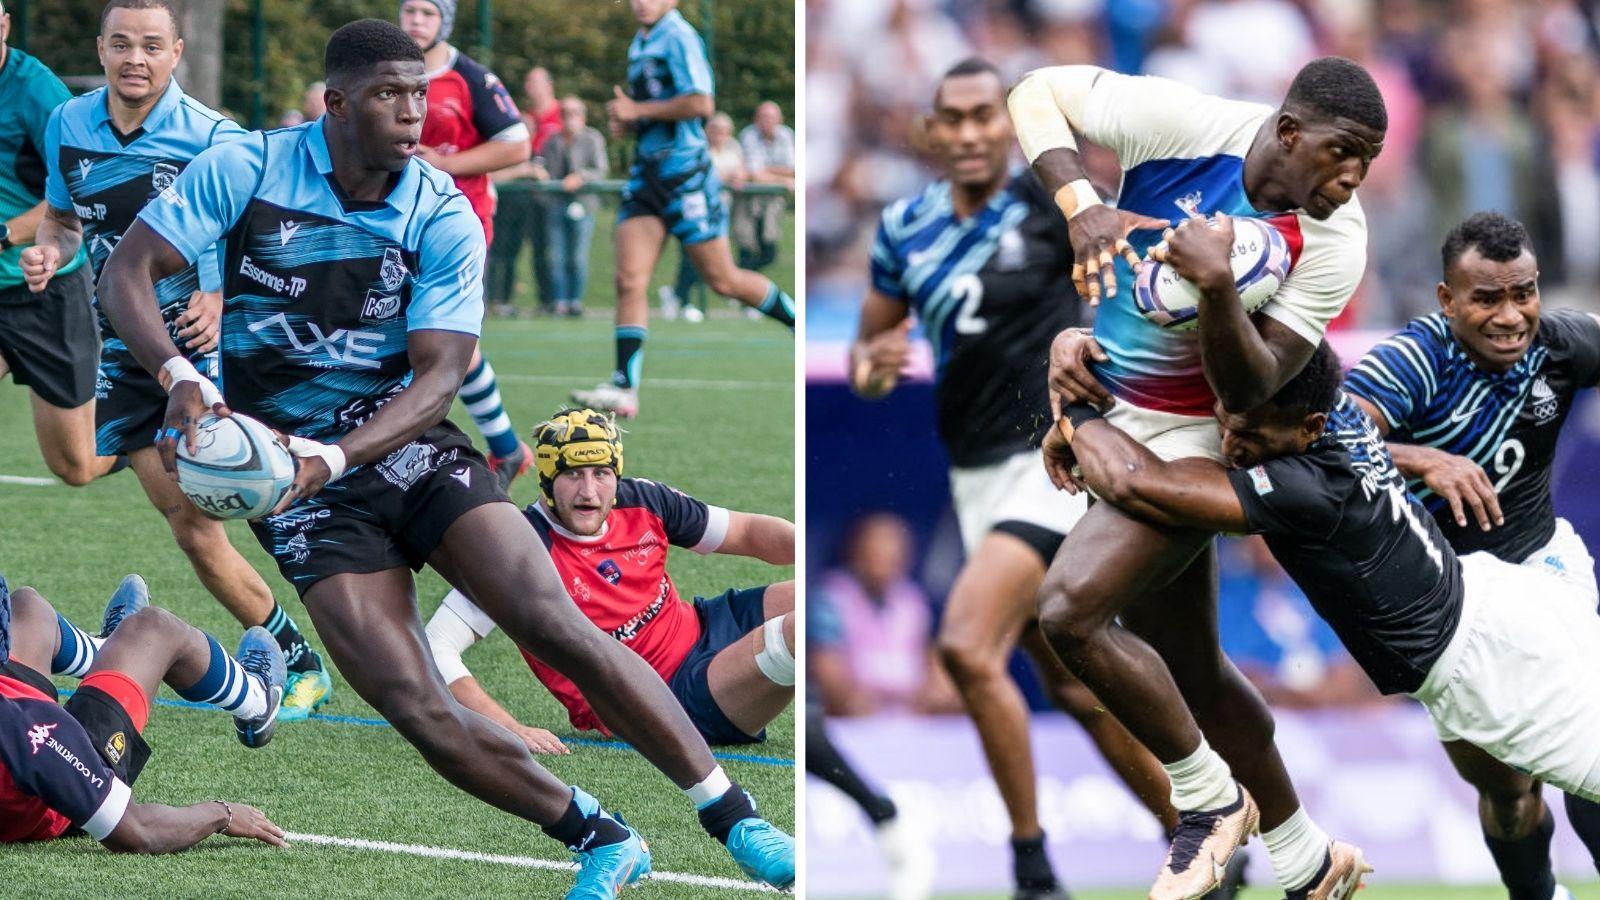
(775,661)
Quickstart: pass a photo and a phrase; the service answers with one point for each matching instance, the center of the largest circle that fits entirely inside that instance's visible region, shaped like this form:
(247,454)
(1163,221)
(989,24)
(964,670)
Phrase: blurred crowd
(1493,104)
(556,227)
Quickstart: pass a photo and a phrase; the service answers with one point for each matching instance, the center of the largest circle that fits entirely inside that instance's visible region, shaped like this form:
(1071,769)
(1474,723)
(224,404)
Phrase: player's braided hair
(168,5)
(364,43)
(1499,238)
(1316,388)
(1337,88)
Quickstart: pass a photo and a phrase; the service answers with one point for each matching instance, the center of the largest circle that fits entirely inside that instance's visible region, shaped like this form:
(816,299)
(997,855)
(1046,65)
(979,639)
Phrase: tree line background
(584,44)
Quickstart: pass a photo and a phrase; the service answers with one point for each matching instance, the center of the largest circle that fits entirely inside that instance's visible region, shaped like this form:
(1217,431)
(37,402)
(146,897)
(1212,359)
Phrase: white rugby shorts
(1015,489)
(1169,435)
(1566,557)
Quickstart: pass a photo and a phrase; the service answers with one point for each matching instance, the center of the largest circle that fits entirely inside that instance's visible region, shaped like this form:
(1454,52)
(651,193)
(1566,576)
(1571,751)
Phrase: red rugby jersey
(23,815)
(467,105)
(619,578)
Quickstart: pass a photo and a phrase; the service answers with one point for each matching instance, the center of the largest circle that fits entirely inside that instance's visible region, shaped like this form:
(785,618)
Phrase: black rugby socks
(297,653)
(1585,818)
(1524,863)
(825,761)
(1030,864)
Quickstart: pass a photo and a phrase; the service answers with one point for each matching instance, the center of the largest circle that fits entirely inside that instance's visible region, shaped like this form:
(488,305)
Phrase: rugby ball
(1260,263)
(238,469)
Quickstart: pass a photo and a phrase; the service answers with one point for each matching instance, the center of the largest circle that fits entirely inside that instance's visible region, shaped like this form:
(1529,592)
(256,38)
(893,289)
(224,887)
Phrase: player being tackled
(70,766)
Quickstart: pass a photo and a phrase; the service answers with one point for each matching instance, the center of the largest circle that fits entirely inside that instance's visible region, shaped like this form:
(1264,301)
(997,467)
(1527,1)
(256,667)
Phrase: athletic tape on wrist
(331,454)
(178,369)
(1077,196)
(1079,413)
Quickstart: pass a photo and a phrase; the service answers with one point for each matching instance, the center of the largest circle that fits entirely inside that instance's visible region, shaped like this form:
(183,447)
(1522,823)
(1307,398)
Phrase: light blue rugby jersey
(320,291)
(667,61)
(106,177)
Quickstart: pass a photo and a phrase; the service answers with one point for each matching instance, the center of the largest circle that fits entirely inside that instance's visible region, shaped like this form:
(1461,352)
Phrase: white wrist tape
(328,453)
(1077,196)
(179,369)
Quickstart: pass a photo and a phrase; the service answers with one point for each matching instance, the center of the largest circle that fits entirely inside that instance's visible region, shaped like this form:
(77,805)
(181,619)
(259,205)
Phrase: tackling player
(1131,608)
(352,337)
(672,190)
(982,258)
(728,659)
(67,768)
(1310,473)
(1481,389)
(472,129)
(48,344)
(108,153)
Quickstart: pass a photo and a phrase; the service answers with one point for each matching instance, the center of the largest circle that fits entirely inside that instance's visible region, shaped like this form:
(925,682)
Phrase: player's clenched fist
(1199,250)
(877,363)
(39,264)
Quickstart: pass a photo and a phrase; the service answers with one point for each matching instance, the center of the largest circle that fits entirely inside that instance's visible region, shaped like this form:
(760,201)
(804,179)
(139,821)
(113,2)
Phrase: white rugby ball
(238,469)
(1260,263)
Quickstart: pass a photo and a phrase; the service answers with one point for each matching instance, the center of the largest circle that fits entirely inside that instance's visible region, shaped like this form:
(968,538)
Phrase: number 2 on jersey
(970,291)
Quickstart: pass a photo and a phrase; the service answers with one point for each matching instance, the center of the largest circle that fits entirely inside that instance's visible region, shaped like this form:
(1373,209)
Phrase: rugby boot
(605,870)
(608,397)
(303,692)
(130,596)
(763,851)
(1232,880)
(912,864)
(1340,875)
(507,468)
(1056,893)
(260,656)
(1202,846)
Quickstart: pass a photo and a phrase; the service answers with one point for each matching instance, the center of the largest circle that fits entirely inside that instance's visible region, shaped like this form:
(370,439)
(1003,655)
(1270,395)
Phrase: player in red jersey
(728,659)
(67,768)
(472,129)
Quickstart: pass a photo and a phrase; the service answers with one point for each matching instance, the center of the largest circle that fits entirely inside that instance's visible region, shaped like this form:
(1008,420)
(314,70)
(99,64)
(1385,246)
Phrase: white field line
(27,480)
(526,862)
(686,383)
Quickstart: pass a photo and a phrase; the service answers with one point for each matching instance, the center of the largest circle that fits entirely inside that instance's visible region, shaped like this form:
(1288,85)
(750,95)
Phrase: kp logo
(40,733)
(162,176)
(610,571)
(393,270)
(379,307)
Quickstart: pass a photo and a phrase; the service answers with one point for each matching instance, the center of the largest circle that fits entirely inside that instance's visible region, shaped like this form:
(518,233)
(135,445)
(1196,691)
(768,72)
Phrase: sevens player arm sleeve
(456,625)
(1192,493)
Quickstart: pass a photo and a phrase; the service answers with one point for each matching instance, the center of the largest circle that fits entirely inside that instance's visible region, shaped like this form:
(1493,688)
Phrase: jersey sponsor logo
(1260,481)
(162,176)
(298,521)
(406,466)
(342,346)
(116,745)
(356,413)
(90,212)
(694,206)
(379,306)
(172,196)
(1190,203)
(648,544)
(286,231)
(609,570)
(630,629)
(293,285)
(40,733)
(1545,402)
(84,165)
(103,244)
(580,592)
(393,269)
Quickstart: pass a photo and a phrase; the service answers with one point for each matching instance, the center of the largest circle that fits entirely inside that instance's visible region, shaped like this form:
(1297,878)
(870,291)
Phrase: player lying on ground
(1310,473)
(672,190)
(1131,608)
(728,659)
(353,334)
(1485,386)
(68,768)
(108,153)
(981,258)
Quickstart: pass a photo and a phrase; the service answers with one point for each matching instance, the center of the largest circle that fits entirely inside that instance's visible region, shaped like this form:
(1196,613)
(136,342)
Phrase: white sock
(1297,848)
(255,699)
(1201,781)
(709,791)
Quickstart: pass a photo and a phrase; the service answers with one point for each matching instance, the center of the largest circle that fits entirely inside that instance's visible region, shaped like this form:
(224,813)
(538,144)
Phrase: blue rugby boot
(304,692)
(260,656)
(605,870)
(763,851)
(130,596)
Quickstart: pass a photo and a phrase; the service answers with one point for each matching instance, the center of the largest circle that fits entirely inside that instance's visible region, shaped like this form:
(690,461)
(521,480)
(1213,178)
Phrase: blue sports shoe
(260,656)
(303,693)
(604,871)
(763,851)
(130,596)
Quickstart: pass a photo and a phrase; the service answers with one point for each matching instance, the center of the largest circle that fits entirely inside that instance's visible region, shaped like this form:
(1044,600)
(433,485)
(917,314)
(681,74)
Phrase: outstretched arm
(767,538)
(1193,493)
(449,635)
(156,828)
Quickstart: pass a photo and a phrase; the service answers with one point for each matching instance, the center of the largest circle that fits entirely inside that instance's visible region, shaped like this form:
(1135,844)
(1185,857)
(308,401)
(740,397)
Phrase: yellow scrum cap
(574,438)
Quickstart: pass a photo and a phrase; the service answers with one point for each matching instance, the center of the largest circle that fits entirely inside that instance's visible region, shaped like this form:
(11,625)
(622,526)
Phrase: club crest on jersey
(162,176)
(115,746)
(393,269)
(1189,203)
(40,733)
(405,466)
(610,571)
(1545,402)
(1011,254)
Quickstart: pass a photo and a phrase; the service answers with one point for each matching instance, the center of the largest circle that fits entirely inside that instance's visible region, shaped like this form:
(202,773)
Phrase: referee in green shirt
(48,340)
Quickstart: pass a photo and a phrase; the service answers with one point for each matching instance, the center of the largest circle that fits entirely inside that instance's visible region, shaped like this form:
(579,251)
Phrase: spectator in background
(757,226)
(1277,640)
(520,218)
(869,645)
(687,293)
(574,155)
(314,104)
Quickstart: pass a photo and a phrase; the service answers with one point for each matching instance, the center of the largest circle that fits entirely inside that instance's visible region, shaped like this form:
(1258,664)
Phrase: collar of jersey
(316,143)
(647,33)
(449,62)
(572,536)
(170,98)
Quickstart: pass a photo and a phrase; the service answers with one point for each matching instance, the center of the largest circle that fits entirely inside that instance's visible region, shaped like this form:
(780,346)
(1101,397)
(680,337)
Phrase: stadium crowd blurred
(1512,81)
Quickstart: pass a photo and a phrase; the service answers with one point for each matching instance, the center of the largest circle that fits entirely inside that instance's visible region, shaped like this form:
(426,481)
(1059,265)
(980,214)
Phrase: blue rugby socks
(297,653)
(630,355)
(480,393)
(227,686)
(77,651)
(778,305)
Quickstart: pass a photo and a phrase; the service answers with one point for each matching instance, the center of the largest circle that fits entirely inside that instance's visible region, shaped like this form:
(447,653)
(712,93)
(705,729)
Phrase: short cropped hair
(364,43)
(1337,88)
(972,65)
(168,5)
(1499,238)
(1316,388)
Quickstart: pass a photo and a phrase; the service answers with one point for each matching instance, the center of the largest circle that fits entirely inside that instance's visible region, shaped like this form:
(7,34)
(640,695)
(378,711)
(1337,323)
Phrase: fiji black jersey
(1432,394)
(991,290)
(319,291)
(106,177)
(1373,563)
